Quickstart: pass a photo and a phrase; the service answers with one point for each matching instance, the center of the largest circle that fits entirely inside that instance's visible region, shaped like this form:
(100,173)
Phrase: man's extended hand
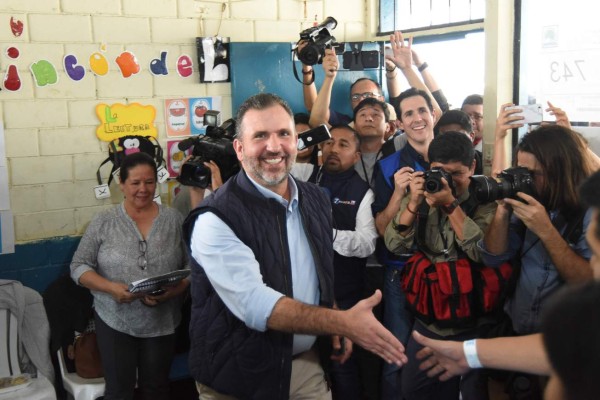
(442,358)
(364,330)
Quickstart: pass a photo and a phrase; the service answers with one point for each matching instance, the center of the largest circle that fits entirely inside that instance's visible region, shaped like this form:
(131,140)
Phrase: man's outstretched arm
(358,324)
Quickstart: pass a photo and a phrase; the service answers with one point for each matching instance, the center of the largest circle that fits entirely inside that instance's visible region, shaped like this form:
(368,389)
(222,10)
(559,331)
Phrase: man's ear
(237,146)
(473,165)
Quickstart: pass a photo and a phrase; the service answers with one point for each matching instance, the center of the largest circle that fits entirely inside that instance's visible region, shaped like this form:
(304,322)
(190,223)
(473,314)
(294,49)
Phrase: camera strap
(469,207)
(312,78)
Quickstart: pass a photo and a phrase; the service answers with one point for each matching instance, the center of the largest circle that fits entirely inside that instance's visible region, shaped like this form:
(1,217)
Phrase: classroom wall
(51,146)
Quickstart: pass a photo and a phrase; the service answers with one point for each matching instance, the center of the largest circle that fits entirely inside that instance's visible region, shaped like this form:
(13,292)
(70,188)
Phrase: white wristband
(470,349)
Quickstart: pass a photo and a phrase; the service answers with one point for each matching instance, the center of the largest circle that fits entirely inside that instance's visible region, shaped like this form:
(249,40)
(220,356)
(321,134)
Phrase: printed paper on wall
(213,59)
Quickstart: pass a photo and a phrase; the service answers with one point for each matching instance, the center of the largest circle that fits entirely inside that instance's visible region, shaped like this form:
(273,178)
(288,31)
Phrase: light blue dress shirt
(234,272)
(539,279)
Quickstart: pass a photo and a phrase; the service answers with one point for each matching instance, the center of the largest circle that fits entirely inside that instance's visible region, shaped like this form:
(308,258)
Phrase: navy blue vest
(225,354)
(346,190)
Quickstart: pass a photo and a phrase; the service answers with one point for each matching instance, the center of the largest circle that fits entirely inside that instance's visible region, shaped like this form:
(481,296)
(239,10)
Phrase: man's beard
(255,166)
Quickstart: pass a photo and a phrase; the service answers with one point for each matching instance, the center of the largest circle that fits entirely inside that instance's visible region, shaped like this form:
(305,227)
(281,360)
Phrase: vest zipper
(289,292)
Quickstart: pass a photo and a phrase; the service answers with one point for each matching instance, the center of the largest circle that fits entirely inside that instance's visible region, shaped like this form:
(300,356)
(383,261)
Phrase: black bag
(121,147)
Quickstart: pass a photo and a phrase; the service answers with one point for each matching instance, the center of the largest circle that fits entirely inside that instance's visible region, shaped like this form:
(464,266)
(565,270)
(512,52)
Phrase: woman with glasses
(134,240)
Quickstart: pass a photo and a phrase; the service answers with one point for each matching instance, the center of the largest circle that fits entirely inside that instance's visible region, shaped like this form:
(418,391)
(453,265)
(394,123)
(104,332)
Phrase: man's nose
(274,143)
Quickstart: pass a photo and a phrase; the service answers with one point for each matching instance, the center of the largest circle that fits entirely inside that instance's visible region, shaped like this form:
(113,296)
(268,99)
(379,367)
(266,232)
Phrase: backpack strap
(98,176)
(112,146)
(158,151)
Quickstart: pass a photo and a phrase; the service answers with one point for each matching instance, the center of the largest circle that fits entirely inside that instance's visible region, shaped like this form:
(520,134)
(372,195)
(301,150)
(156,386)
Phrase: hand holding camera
(210,151)
(330,63)
(439,189)
(416,188)
(508,118)
(532,213)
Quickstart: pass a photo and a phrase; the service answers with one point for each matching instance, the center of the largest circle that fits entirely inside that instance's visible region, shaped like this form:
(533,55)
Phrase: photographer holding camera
(543,230)
(439,218)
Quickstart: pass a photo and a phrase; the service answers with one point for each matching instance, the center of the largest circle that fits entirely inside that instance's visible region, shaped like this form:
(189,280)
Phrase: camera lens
(433,185)
(484,188)
(309,55)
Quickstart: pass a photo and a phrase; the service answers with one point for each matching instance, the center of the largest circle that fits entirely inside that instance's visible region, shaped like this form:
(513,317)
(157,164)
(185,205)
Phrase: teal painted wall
(37,264)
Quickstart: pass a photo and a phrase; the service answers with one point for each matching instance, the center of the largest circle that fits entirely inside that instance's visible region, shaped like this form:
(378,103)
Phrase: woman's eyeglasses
(142,262)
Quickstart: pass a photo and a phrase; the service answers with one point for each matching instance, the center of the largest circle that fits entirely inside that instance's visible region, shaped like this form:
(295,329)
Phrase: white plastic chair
(40,388)
(80,388)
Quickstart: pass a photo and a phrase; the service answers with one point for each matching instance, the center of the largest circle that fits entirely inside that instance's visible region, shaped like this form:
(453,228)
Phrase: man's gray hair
(260,101)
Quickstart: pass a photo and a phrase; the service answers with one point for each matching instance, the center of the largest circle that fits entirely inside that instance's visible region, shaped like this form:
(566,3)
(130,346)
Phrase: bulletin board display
(267,68)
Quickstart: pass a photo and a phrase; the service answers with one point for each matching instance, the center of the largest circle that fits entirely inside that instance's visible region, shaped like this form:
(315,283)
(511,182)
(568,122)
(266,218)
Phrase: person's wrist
(450,207)
(390,69)
(307,71)
(470,350)
(423,66)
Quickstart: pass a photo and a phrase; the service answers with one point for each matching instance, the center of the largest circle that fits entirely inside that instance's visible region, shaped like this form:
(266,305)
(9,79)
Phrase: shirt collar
(269,194)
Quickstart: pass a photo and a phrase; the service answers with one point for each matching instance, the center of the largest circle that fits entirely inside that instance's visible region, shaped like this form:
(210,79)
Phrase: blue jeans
(398,320)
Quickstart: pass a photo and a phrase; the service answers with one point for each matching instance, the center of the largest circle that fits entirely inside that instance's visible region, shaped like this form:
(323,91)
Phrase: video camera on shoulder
(509,182)
(433,180)
(318,38)
(216,145)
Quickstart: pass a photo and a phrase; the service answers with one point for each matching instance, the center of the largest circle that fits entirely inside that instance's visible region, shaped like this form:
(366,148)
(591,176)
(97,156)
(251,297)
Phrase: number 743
(561,70)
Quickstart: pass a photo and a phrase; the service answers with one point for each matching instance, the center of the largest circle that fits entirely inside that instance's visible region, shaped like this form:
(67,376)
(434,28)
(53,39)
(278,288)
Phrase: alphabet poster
(213,59)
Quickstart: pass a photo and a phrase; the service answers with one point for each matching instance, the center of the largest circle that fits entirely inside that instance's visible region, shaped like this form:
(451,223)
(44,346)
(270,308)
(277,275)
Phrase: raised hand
(561,116)
(330,63)
(402,57)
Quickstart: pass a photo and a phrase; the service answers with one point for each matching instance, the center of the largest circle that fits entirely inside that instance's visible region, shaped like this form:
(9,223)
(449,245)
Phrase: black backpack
(121,147)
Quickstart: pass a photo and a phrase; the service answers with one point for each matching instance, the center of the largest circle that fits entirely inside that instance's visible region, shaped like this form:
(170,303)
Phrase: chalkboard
(267,68)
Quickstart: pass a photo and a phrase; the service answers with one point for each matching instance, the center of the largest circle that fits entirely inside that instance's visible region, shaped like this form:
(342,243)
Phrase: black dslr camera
(509,182)
(318,38)
(433,180)
(216,145)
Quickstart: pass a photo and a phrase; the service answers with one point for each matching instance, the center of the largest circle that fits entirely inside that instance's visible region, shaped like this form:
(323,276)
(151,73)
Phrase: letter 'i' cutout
(12,80)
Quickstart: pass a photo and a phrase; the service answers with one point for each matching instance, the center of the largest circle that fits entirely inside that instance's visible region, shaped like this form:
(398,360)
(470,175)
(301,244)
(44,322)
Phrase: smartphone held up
(532,113)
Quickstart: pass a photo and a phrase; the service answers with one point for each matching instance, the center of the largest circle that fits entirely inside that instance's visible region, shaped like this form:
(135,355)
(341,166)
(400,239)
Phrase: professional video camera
(216,145)
(433,180)
(318,38)
(509,182)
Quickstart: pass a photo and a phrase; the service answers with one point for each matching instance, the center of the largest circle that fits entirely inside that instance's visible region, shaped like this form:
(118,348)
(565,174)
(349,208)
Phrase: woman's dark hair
(590,195)
(564,165)
(132,161)
(571,332)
